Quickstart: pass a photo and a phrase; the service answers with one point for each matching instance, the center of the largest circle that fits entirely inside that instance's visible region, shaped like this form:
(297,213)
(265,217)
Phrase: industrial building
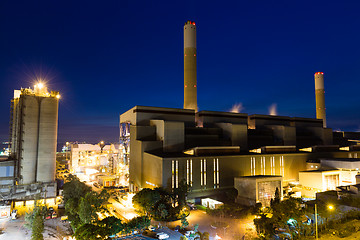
(166,147)
(100,162)
(216,151)
(29,171)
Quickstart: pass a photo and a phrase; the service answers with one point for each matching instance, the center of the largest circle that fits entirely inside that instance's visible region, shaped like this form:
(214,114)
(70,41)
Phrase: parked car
(191,206)
(14,214)
(51,213)
(162,235)
(63,218)
(188,233)
(151,228)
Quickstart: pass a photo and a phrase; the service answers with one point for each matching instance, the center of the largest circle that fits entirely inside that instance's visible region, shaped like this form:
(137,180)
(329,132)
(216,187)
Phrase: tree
(184,221)
(181,192)
(138,223)
(163,211)
(90,232)
(145,200)
(202,236)
(264,226)
(276,198)
(112,225)
(91,204)
(73,191)
(35,221)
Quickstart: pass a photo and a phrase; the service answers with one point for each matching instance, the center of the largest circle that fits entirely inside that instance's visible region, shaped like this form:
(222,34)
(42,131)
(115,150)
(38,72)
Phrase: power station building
(166,147)
(30,169)
(210,150)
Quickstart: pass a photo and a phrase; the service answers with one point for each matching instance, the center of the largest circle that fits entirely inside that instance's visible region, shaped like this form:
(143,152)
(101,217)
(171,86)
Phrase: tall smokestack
(190,83)
(320,97)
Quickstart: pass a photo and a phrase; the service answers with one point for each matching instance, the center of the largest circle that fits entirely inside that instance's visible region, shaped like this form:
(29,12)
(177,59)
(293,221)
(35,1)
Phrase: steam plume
(273,109)
(237,108)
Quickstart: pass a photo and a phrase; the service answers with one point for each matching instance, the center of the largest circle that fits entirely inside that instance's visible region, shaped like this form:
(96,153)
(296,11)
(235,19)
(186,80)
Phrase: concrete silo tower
(320,97)
(190,83)
(34,122)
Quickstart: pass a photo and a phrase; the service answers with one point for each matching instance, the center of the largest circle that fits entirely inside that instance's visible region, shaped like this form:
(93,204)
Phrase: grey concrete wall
(47,139)
(30,139)
(237,133)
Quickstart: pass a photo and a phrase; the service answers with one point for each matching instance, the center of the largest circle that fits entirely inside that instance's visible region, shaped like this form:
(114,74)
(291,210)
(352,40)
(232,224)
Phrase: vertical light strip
(201,172)
(251,166)
(217,173)
(191,172)
(264,166)
(205,172)
(187,172)
(172,174)
(177,173)
(214,173)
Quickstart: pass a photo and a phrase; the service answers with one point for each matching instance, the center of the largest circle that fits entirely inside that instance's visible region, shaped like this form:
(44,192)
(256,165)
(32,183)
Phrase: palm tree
(202,236)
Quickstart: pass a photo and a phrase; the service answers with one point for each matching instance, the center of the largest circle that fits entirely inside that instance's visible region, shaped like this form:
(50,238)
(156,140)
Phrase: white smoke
(273,109)
(237,108)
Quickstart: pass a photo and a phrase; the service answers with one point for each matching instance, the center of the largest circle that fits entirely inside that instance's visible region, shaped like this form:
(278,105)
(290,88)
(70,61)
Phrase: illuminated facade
(88,160)
(30,169)
(166,147)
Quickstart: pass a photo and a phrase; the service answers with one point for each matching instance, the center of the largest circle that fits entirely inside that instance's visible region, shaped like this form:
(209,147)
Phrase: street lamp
(330,207)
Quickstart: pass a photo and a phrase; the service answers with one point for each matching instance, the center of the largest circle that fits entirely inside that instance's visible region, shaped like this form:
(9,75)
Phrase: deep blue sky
(108,56)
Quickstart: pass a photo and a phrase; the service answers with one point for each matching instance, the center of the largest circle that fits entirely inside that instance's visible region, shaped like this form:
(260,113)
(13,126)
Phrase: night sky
(107,56)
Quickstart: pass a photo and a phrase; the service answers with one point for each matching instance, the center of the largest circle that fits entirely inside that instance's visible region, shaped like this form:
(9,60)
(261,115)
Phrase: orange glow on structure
(319,73)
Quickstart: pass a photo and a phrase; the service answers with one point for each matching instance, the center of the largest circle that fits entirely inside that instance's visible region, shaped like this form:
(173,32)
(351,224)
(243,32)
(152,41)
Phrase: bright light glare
(58,96)
(89,171)
(331,207)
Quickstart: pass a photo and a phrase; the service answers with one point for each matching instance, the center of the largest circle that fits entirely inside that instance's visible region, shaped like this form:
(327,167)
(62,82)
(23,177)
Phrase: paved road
(172,235)
(237,227)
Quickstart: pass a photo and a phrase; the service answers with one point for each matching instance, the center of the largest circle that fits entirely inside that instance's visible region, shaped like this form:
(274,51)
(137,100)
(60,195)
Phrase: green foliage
(37,227)
(112,225)
(184,221)
(281,212)
(145,200)
(180,193)
(276,199)
(137,223)
(35,221)
(82,205)
(196,226)
(90,232)
(91,204)
(202,236)
(159,204)
(74,190)
(264,226)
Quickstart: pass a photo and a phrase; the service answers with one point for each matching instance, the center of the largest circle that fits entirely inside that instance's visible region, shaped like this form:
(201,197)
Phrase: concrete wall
(172,134)
(30,136)
(237,133)
(211,118)
(47,140)
(141,115)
